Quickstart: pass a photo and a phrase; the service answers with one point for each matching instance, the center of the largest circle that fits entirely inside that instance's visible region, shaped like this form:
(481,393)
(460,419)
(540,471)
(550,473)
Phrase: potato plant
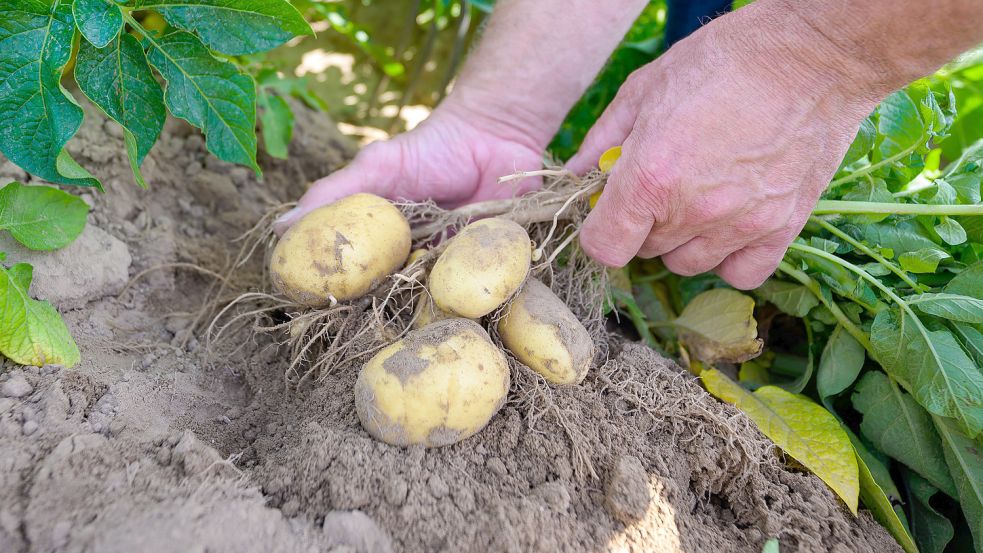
(117,67)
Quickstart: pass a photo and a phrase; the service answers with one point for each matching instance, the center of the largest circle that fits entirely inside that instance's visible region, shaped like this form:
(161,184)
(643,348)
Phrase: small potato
(542,332)
(342,250)
(481,268)
(435,387)
(427,312)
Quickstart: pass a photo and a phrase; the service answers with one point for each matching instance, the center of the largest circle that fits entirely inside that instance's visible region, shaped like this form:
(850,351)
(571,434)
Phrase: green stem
(873,167)
(830,207)
(863,248)
(838,313)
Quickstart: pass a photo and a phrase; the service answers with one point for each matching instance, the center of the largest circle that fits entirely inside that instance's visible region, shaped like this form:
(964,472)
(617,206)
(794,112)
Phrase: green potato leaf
(39,115)
(971,340)
(41,217)
(841,361)
(210,94)
(233,27)
(31,331)
(99,21)
(931,529)
(878,493)
(901,238)
(969,282)
(931,366)
(862,143)
(900,125)
(277,121)
(965,459)
(953,307)
(803,429)
(922,261)
(967,185)
(118,79)
(950,231)
(791,298)
(898,426)
(719,325)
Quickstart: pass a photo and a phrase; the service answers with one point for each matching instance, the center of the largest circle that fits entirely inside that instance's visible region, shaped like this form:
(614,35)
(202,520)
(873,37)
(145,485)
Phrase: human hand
(728,140)
(454,157)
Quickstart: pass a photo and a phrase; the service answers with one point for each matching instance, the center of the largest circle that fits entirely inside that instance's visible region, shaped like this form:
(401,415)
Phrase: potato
(342,250)
(542,333)
(435,387)
(481,268)
(427,312)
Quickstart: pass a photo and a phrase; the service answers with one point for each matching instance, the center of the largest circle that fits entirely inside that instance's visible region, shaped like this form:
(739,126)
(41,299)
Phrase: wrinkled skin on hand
(453,158)
(724,156)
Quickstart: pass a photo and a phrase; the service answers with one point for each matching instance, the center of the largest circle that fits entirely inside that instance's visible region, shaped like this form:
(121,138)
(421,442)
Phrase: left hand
(728,141)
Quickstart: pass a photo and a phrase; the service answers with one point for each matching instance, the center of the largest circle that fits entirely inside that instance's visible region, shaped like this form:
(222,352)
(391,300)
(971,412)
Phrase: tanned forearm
(536,58)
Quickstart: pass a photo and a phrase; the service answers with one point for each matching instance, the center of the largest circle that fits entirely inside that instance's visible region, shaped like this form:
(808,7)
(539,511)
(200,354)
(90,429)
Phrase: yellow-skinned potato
(342,250)
(542,332)
(481,268)
(427,312)
(435,387)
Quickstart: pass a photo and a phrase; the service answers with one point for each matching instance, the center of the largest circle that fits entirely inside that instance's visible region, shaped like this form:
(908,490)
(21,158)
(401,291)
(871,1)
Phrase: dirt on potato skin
(147,445)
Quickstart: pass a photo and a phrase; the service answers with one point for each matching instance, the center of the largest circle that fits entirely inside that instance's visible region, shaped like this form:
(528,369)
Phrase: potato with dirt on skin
(341,250)
(435,387)
(481,268)
(427,313)
(542,333)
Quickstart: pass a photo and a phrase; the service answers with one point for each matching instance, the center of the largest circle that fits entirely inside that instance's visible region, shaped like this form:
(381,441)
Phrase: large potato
(481,268)
(342,250)
(435,387)
(542,332)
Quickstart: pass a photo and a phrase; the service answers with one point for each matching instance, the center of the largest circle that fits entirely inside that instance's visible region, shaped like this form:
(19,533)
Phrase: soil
(147,445)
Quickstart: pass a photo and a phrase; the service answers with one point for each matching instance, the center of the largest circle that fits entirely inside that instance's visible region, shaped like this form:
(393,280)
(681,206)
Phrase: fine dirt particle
(626,493)
(355,530)
(120,458)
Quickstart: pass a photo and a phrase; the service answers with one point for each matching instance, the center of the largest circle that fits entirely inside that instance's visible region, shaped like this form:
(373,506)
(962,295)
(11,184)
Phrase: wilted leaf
(931,366)
(898,426)
(841,361)
(719,325)
(803,429)
(41,217)
(31,331)
(793,299)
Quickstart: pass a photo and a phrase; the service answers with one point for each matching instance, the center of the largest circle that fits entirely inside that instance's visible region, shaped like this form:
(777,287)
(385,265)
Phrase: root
(342,335)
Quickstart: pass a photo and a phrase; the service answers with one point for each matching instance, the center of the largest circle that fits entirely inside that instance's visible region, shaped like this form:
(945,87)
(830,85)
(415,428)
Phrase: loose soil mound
(147,446)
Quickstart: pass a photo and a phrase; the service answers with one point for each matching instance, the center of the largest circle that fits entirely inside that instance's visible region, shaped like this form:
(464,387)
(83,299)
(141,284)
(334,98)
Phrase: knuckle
(652,189)
(686,265)
(602,249)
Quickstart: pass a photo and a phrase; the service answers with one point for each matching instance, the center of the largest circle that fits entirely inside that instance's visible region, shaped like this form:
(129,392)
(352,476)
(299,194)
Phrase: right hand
(454,158)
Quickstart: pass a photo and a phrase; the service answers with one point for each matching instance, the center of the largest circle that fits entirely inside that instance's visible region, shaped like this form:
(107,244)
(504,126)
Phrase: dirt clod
(627,494)
(16,386)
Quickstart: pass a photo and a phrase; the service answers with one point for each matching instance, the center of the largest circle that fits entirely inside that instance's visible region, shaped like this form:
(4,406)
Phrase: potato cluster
(446,378)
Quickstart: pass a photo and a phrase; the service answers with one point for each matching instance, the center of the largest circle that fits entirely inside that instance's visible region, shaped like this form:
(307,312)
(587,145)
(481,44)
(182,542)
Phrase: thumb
(617,227)
(362,175)
(611,129)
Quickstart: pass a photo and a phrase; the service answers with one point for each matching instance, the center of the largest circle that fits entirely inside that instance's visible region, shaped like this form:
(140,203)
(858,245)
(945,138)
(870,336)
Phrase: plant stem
(873,167)
(838,313)
(829,207)
(863,248)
